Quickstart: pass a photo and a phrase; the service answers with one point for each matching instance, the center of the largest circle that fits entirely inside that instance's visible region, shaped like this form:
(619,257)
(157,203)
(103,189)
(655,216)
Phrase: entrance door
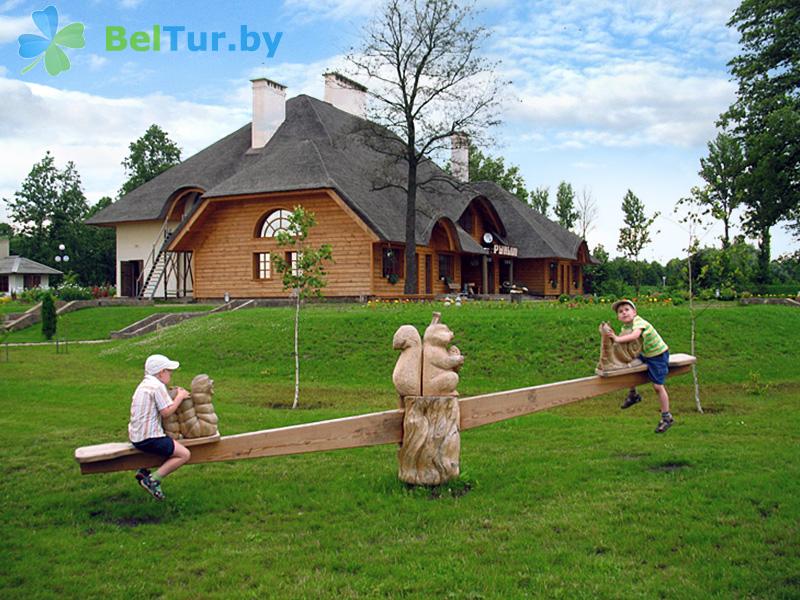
(490,267)
(428,274)
(130,271)
(505,271)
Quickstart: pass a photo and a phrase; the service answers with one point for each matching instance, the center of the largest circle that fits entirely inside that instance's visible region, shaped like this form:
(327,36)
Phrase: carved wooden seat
(99,452)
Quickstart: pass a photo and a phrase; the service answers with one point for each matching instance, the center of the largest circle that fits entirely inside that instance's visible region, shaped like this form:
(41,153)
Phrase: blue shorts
(163,446)
(657,367)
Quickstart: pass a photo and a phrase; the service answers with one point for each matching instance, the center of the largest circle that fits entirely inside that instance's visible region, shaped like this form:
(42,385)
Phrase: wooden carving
(407,375)
(196,414)
(431,448)
(615,357)
(439,364)
(171,424)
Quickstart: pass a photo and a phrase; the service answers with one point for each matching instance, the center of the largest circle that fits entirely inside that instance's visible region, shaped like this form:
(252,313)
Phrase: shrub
(32,295)
(48,316)
(677,300)
(790,290)
(74,292)
(727,294)
(563,298)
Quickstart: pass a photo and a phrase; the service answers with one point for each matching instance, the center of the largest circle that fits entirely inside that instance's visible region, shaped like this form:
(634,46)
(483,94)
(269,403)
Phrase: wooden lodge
(205,228)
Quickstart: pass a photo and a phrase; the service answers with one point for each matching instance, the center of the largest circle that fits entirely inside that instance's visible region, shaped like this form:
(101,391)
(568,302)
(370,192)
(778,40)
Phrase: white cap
(157,363)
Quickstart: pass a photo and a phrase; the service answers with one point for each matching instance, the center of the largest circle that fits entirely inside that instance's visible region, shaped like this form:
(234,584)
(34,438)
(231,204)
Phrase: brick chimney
(3,247)
(459,156)
(269,110)
(346,94)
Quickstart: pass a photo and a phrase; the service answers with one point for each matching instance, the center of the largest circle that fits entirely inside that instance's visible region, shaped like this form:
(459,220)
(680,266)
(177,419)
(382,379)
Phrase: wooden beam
(387,427)
(350,432)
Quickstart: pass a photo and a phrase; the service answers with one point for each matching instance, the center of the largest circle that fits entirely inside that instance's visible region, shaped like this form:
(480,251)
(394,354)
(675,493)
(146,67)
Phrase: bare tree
(428,83)
(587,212)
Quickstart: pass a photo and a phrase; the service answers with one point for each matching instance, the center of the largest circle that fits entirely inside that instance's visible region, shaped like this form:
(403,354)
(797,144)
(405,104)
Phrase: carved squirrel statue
(439,364)
(195,416)
(614,356)
(407,375)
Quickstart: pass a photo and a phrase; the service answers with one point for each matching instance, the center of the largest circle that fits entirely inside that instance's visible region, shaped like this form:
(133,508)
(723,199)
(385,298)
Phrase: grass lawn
(13,306)
(584,501)
(98,323)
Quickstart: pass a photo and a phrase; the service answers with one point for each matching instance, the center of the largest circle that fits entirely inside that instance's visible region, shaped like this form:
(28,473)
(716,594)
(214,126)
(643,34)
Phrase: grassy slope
(97,323)
(583,501)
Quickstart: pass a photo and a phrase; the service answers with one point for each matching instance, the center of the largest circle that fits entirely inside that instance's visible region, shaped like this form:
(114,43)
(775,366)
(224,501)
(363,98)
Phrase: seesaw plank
(111,450)
(498,406)
(349,432)
(387,427)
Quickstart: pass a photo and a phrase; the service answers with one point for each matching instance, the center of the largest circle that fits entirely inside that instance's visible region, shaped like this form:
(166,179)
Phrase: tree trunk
(410,286)
(763,256)
(693,318)
(431,450)
(296,352)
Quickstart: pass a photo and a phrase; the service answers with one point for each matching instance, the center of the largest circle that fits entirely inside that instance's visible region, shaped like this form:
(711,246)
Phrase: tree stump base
(431,450)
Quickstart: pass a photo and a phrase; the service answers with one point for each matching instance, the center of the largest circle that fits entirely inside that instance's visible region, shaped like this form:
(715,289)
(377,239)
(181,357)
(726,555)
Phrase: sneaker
(141,474)
(664,424)
(631,400)
(152,486)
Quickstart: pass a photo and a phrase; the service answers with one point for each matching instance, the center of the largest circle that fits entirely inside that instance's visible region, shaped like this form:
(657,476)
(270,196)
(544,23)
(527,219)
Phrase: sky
(608,95)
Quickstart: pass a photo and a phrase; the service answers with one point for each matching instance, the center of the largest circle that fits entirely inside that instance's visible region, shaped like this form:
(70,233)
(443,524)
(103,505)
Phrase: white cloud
(624,104)
(12,27)
(94,131)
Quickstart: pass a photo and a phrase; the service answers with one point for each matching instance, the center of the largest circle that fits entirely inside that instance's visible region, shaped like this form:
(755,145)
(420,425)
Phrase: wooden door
(428,274)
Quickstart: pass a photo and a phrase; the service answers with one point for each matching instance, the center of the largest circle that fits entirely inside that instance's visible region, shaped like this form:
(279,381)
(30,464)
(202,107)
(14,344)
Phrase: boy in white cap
(151,401)
(655,354)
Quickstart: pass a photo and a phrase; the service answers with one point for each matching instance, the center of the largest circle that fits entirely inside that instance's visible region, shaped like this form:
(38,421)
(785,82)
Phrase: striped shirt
(149,398)
(652,344)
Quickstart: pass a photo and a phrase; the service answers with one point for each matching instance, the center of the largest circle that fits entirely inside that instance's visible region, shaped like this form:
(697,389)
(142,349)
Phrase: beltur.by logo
(48,47)
(117,40)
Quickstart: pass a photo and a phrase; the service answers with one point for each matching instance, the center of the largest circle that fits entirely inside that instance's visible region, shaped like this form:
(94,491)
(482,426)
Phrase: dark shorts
(163,446)
(657,367)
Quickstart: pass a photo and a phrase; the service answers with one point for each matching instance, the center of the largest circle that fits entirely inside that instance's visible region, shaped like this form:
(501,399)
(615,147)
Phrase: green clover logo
(55,61)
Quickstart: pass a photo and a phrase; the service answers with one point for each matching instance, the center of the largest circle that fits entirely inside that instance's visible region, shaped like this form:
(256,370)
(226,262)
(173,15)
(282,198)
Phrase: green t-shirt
(652,344)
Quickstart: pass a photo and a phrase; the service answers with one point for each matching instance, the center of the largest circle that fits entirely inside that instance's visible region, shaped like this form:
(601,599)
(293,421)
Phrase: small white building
(18,273)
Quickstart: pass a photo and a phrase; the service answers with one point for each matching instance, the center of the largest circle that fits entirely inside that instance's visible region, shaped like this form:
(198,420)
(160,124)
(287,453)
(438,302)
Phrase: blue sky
(607,95)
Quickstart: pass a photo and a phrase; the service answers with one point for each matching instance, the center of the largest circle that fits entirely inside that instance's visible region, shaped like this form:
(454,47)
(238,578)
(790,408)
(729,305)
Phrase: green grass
(98,323)
(13,306)
(578,502)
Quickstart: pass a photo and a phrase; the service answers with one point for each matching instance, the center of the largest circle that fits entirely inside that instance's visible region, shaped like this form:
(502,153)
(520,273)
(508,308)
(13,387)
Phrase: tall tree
(151,154)
(49,209)
(587,212)
(636,233)
(304,273)
(540,199)
(428,83)
(721,170)
(487,168)
(565,205)
(765,116)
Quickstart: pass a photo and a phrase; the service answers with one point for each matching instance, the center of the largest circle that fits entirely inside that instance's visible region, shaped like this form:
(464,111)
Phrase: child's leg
(179,457)
(663,397)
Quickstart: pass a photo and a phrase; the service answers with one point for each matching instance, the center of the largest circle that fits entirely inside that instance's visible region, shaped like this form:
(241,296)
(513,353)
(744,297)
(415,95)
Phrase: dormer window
(277,220)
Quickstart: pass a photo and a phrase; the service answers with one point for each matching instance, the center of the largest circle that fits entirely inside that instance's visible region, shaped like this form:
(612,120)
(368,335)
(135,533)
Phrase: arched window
(277,220)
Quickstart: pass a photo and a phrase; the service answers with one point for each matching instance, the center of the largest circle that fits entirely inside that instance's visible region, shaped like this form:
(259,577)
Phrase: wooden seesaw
(428,425)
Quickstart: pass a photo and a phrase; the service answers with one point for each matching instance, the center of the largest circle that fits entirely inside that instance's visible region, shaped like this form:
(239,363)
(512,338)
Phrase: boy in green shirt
(655,354)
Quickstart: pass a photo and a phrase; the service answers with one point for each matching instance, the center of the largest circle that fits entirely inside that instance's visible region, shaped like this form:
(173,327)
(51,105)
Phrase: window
(262,265)
(446,267)
(392,262)
(291,259)
(3,283)
(466,221)
(553,275)
(576,275)
(32,281)
(275,221)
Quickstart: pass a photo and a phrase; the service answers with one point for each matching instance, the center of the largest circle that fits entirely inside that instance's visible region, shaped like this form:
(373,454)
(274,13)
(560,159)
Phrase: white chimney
(459,156)
(3,247)
(346,94)
(269,110)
